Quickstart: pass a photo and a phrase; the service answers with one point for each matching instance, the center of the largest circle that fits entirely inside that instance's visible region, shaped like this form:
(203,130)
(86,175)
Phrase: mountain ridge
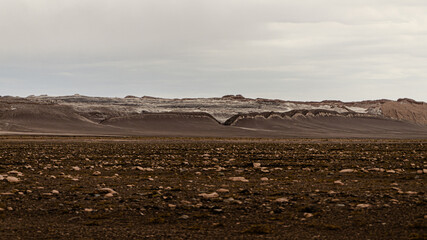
(228,115)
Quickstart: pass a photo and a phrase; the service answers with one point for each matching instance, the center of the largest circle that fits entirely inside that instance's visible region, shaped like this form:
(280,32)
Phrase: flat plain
(212,188)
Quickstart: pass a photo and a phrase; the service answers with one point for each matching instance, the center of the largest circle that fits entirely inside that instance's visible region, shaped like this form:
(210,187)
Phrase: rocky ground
(188,188)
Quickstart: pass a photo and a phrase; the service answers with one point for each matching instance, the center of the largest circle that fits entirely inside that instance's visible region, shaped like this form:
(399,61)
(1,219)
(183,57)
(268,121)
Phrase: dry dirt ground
(199,188)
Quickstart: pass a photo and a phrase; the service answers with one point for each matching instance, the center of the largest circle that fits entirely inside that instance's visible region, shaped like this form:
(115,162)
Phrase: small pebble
(12,179)
(282,199)
(238,179)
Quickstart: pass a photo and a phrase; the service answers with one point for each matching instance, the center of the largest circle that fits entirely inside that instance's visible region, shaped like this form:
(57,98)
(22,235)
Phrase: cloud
(306,50)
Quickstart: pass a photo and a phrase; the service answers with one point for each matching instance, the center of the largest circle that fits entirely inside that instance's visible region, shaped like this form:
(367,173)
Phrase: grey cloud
(305,50)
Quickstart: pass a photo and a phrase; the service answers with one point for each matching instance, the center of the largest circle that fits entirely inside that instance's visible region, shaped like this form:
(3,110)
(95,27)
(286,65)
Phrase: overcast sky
(294,50)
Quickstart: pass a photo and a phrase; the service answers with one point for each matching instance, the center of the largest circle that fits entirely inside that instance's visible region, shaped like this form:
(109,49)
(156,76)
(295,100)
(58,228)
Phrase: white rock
(238,179)
(209,195)
(55,191)
(12,179)
(348,170)
(282,199)
(390,171)
(88,210)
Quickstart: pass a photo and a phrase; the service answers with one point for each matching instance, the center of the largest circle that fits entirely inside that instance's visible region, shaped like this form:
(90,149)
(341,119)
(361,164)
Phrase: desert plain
(54,187)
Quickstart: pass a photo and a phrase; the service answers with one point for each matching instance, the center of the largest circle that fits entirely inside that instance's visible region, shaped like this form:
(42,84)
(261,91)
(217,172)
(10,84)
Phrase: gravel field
(212,188)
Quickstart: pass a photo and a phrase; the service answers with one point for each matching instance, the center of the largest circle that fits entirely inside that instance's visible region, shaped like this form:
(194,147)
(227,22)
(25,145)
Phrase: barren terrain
(192,188)
(229,116)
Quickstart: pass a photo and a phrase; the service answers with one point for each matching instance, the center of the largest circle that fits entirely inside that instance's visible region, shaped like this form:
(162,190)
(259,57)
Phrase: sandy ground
(212,188)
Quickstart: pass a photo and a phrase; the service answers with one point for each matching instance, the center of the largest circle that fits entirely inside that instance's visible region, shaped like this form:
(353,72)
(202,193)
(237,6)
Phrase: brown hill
(407,110)
(230,116)
(321,123)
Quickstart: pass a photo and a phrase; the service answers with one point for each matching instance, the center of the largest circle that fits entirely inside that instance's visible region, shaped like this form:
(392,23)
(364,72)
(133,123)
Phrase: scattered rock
(75,168)
(257,165)
(55,192)
(223,190)
(184,217)
(19,174)
(264,179)
(110,192)
(12,179)
(282,199)
(411,192)
(308,215)
(144,169)
(96,173)
(363,205)
(108,195)
(88,210)
(348,170)
(238,179)
(209,195)
(339,182)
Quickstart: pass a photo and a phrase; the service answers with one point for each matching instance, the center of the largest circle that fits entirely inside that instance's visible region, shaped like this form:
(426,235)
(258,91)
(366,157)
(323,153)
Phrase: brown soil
(157,187)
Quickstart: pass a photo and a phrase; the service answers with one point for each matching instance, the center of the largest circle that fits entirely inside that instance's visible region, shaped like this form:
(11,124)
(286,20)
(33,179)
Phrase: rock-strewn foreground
(229,116)
(154,188)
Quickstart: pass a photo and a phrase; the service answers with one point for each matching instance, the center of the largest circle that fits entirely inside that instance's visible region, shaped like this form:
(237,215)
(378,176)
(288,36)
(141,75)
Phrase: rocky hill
(231,115)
